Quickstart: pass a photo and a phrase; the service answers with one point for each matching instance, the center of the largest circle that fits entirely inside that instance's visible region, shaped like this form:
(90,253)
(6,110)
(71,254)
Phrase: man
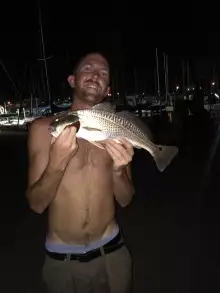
(78,182)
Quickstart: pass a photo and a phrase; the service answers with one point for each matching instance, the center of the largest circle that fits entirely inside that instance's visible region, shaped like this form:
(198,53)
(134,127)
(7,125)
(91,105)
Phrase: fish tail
(164,155)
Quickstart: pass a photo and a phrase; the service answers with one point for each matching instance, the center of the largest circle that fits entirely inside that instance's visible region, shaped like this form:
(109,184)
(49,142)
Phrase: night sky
(70,32)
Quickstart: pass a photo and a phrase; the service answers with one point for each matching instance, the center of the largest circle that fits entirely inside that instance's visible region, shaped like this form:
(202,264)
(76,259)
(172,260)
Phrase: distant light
(143,93)
(193,88)
(117,93)
(217,96)
(177,87)
(188,89)
(213,83)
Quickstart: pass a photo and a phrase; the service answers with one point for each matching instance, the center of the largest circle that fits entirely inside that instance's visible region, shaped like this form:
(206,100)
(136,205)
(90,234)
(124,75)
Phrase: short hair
(75,68)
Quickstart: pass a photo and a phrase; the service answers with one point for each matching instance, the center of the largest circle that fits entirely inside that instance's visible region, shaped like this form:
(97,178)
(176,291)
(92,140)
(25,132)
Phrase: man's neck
(77,104)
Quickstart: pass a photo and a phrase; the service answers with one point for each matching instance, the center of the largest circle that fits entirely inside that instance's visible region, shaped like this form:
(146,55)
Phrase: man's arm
(123,187)
(43,181)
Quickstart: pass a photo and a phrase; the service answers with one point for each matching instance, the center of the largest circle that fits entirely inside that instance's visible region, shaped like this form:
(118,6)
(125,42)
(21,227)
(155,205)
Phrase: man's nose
(95,75)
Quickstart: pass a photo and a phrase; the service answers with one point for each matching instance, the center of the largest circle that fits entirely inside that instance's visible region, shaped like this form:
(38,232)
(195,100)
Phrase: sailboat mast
(165,74)
(8,75)
(188,74)
(44,55)
(135,82)
(183,74)
(158,78)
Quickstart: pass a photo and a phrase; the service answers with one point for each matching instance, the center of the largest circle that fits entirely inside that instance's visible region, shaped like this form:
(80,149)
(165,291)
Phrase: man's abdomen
(74,223)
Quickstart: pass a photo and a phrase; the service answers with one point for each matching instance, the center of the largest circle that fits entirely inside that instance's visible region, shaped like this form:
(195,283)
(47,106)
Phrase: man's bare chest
(89,156)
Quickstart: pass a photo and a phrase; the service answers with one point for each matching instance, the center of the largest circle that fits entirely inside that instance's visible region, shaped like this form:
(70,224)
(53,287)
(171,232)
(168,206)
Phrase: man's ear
(107,91)
(71,81)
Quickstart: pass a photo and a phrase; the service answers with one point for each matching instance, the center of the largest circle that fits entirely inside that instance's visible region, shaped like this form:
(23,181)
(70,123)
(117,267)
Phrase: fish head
(60,123)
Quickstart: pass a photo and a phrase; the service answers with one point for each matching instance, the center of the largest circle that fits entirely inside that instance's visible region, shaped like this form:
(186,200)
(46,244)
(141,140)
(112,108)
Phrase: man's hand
(121,153)
(63,148)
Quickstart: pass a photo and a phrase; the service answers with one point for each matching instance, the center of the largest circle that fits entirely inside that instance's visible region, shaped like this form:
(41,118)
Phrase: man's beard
(90,98)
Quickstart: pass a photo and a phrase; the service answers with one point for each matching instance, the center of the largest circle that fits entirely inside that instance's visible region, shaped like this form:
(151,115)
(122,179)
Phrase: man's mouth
(92,85)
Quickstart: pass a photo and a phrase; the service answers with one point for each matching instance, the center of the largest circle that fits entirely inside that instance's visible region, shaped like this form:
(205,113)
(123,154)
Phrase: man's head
(90,79)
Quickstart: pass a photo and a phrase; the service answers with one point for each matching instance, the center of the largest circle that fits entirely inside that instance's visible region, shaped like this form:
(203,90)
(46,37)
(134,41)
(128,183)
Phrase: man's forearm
(42,193)
(123,187)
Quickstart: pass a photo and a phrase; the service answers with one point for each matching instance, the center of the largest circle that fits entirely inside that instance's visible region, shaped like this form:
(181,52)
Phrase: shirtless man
(79,182)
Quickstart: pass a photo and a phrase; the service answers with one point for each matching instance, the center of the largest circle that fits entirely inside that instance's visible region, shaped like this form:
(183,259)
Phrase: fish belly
(91,135)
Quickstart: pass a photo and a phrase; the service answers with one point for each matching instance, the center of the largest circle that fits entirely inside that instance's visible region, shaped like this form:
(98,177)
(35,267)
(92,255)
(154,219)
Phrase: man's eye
(87,68)
(104,74)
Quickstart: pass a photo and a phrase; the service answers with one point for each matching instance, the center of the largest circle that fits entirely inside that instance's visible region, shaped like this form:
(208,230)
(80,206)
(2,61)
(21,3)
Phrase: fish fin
(137,147)
(91,128)
(106,106)
(138,122)
(164,155)
(99,145)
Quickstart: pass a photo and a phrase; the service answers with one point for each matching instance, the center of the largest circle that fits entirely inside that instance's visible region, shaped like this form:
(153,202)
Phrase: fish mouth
(73,124)
(52,129)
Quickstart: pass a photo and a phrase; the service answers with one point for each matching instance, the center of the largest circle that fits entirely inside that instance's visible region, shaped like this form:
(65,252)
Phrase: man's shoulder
(40,127)
(42,122)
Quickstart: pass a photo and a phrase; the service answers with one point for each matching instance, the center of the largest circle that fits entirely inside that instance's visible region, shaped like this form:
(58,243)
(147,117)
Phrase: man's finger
(53,139)
(114,155)
(118,151)
(63,135)
(72,132)
(127,145)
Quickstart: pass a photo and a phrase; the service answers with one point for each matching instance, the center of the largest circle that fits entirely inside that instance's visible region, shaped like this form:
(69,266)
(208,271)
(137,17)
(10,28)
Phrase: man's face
(91,79)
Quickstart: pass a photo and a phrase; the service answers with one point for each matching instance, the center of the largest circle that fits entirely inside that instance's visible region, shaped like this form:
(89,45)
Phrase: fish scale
(100,123)
(110,122)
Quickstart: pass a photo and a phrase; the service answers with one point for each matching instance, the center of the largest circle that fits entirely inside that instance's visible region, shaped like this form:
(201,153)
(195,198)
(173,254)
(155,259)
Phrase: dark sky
(70,31)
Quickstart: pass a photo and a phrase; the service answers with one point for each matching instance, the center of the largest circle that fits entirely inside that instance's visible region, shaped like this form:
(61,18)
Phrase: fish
(103,122)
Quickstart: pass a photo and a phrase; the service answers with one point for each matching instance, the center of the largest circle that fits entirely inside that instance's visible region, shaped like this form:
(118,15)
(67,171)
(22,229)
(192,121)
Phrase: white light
(213,83)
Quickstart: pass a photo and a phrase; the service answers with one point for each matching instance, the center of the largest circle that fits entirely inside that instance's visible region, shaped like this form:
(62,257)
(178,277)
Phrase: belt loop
(102,251)
(67,257)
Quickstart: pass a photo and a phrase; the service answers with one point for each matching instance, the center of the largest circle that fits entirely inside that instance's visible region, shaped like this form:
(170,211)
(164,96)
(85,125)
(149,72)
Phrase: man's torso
(83,210)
